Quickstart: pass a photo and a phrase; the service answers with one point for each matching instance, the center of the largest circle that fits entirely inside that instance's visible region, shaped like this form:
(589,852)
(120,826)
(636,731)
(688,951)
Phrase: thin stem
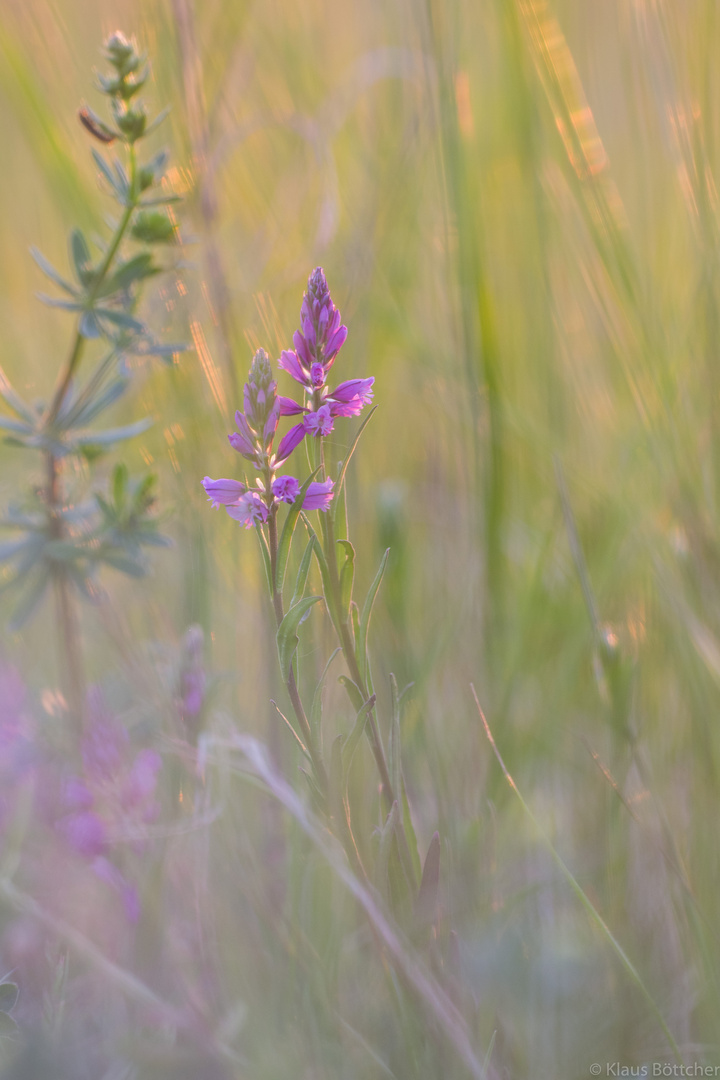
(342,626)
(78,344)
(291,683)
(343,818)
(67,615)
(582,896)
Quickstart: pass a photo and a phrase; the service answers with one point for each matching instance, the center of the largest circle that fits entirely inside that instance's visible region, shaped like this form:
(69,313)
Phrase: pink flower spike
(223,492)
(288,407)
(249,510)
(288,443)
(319,495)
(289,362)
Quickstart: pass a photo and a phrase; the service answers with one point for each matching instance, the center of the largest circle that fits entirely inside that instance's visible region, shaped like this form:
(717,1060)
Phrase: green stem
(102,272)
(342,627)
(291,683)
(582,896)
(69,636)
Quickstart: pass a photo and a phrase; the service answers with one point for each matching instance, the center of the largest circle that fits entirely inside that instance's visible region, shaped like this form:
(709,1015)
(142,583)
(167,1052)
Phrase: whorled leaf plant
(61,533)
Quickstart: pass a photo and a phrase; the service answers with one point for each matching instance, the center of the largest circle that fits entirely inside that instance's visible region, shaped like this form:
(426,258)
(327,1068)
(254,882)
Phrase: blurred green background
(516,208)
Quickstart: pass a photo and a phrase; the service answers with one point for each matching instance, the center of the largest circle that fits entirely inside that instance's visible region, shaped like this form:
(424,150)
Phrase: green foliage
(65,541)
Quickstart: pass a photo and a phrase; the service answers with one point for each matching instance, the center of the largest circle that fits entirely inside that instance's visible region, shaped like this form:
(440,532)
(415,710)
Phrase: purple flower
(77,795)
(320,339)
(319,422)
(139,785)
(85,832)
(249,510)
(243,440)
(285,489)
(319,495)
(223,492)
(289,441)
(349,398)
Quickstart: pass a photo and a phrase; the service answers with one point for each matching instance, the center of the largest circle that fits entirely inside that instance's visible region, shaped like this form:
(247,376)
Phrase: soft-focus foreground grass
(516,207)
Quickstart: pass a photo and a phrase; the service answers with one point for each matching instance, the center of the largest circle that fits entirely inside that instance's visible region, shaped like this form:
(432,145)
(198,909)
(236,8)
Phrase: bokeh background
(515,204)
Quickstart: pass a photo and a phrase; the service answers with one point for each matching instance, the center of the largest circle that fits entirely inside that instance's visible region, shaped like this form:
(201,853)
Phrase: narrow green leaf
(382,862)
(16,403)
(8,424)
(339,484)
(409,830)
(353,692)
(347,574)
(353,739)
(302,574)
(108,174)
(426,902)
(364,622)
(121,562)
(11,548)
(30,599)
(8,1027)
(266,559)
(340,510)
(161,116)
(89,326)
(81,258)
(336,786)
(287,639)
(316,708)
(288,530)
(394,755)
(95,405)
(110,435)
(119,485)
(49,270)
(327,584)
(54,301)
(119,318)
(128,273)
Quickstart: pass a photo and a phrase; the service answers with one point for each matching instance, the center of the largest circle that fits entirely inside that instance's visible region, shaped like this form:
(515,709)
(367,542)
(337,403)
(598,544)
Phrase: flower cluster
(114,798)
(316,347)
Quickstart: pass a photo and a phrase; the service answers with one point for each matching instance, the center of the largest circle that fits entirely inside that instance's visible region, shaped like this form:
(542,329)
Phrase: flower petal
(353,388)
(288,407)
(289,362)
(285,489)
(223,492)
(249,510)
(319,495)
(288,443)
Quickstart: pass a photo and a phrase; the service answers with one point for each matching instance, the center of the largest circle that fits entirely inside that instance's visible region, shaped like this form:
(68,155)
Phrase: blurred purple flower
(110,874)
(85,832)
(192,678)
(116,792)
